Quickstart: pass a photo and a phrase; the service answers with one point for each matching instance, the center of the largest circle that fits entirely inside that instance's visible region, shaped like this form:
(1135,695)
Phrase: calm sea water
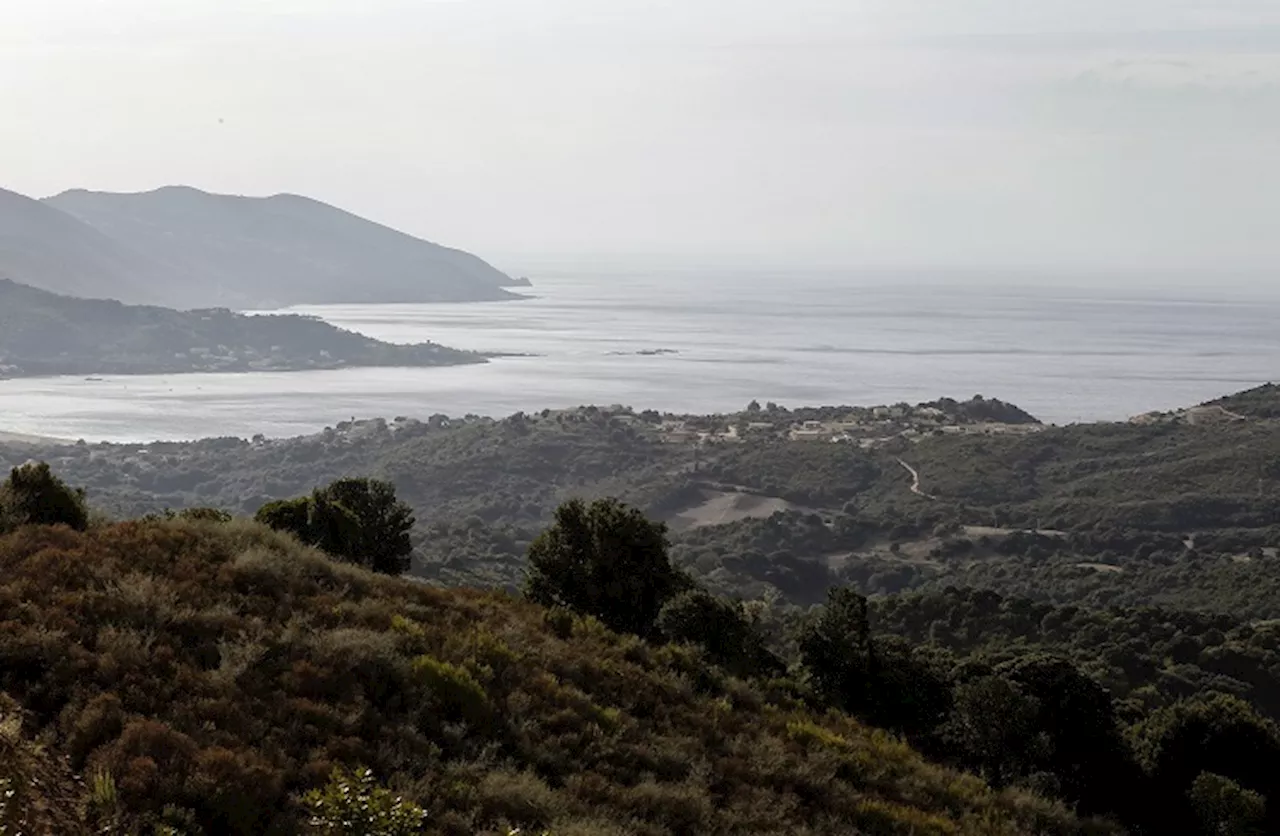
(1064,355)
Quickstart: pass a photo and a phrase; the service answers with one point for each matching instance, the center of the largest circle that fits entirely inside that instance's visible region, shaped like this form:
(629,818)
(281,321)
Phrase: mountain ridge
(181,247)
(53,250)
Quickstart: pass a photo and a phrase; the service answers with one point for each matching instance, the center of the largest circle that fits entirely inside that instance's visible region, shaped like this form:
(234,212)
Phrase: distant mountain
(42,333)
(45,247)
(185,248)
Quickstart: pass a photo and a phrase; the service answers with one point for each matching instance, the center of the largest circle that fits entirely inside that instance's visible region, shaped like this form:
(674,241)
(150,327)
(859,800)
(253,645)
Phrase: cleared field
(725,507)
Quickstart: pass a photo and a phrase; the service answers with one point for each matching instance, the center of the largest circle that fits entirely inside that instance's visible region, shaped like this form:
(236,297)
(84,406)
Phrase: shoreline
(477,358)
(34,440)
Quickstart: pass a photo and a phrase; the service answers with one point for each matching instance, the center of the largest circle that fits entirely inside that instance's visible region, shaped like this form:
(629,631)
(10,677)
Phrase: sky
(1055,134)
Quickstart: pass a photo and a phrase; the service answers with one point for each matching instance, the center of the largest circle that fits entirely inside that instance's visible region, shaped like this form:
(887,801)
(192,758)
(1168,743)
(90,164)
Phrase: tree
(910,688)
(722,629)
(383,523)
(1221,735)
(291,515)
(359,520)
(33,495)
(837,651)
(993,725)
(1086,750)
(606,560)
(886,683)
(1224,808)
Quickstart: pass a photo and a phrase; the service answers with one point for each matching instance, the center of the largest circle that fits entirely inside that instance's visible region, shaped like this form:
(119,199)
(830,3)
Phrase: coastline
(33,440)
(92,372)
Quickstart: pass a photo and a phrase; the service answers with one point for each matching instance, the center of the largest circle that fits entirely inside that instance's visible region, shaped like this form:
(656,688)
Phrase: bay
(706,341)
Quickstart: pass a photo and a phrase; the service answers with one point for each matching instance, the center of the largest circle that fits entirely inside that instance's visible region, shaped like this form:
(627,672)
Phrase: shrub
(1223,806)
(453,688)
(352,804)
(33,495)
(214,515)
(518,798)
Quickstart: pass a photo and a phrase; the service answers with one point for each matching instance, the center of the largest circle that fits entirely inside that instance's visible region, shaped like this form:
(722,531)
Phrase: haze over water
(798,339)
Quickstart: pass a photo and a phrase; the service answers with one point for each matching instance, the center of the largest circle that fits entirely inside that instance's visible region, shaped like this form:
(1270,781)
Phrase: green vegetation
(607,561)
(359,520)
(1087,613)
(724,631)
(352,804)
(1181,512)
(32,495)
(42,333)
(220,677)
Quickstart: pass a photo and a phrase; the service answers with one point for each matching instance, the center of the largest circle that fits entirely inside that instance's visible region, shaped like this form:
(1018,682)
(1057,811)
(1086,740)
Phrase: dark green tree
(838,653)
(1085,748)
(605,560)
(214,515)
(33,495)
(720,628)
(359,520)
(1224,808)
(1221,735)
(993,729)
(291,515)
(885,682)
(910,688)
(381,535)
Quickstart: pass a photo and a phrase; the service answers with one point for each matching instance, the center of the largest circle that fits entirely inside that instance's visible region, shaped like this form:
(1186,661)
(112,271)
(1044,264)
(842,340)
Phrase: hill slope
(45,247)
(283,250)
(220,669)
(42,333)
(1180,513)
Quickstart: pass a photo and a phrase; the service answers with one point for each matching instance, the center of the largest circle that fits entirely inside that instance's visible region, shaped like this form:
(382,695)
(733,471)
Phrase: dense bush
(355,519)
(605,560)
(208,677)
(720,628)
(32,495)
(352,804)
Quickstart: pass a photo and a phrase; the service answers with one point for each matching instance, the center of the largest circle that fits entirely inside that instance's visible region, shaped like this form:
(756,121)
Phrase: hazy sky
(860,132)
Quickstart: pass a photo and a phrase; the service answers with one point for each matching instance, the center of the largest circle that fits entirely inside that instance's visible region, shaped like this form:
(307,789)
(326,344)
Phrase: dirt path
(915,481)
(1234,415)
(1220,411)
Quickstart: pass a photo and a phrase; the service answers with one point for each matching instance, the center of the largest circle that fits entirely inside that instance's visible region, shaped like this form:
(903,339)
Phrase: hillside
(42,333)
(1179,513)
(205,675)
(1262,402)
(184,248)
(47,248)
(246,252)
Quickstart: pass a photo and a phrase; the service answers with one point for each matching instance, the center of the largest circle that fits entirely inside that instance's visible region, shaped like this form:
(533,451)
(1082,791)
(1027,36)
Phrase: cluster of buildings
(866,427)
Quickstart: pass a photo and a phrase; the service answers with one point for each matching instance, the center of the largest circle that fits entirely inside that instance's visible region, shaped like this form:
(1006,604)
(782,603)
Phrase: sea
(700,341)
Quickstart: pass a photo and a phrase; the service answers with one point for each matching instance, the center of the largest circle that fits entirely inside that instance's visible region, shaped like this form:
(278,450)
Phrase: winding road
(915,481)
